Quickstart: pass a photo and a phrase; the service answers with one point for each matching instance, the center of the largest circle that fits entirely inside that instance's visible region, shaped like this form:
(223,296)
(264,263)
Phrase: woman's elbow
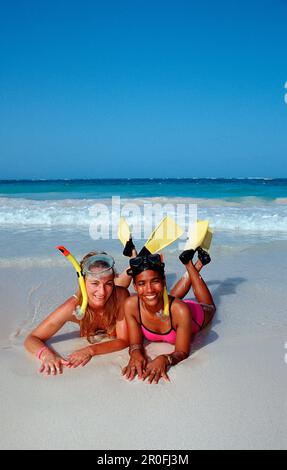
(123,343)
(29,341)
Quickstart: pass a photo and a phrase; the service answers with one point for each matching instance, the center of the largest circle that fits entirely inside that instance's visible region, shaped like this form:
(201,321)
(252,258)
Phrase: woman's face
(99,289)
(149,286)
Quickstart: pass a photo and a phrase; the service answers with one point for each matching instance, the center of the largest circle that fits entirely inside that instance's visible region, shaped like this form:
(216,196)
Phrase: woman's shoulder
(131,304)
(177,303)
(132,300)
(179,309)
(122,292)
(68,308)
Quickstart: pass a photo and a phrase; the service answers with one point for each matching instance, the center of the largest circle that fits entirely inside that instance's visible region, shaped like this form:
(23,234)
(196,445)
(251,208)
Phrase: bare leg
(181,288)
(200,289)
(124,279)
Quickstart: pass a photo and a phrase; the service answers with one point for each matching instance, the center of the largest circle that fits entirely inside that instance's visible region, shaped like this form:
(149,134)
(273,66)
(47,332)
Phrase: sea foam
(245,215)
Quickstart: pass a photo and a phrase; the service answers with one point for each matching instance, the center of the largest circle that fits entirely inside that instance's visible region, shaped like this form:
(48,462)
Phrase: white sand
(229,394)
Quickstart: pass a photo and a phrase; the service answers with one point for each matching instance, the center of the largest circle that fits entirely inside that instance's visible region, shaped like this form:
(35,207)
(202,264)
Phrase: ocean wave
(251,214)
(32,262)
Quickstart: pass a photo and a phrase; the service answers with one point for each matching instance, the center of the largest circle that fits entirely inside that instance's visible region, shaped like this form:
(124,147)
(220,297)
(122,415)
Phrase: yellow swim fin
(207,240)
(167,232)
(123,231)
(199,235)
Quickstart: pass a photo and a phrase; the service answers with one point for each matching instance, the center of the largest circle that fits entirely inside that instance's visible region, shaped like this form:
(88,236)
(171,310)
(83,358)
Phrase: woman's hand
(79,358)
(156,369)
(51,363)
(135,366)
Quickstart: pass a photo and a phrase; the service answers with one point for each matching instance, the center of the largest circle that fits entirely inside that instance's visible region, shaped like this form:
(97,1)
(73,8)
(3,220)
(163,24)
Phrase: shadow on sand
(226,287)
(64,337)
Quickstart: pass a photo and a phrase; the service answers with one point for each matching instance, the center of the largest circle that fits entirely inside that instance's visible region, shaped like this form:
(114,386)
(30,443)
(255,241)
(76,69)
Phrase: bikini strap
(139,307)
(170,304)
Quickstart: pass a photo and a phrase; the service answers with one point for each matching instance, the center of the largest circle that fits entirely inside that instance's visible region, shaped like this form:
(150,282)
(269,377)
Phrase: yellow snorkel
(80,310)
(165,302)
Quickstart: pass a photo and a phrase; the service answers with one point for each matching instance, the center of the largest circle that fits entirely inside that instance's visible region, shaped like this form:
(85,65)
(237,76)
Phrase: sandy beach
(142,110)
(229,394)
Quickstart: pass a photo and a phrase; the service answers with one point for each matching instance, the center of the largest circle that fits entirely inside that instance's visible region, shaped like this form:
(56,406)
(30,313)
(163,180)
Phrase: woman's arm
(122,337)
(182,322)
(82,356)
(35,341)
(137,360)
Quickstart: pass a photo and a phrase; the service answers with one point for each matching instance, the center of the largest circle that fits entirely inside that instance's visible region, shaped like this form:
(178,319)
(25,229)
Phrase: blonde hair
(110,310)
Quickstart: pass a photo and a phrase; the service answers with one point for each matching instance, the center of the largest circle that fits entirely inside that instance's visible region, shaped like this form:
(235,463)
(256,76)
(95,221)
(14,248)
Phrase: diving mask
(143,263)
(98,265)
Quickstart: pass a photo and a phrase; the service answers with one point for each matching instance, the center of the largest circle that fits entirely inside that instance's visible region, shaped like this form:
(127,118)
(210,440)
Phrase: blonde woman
(106,296)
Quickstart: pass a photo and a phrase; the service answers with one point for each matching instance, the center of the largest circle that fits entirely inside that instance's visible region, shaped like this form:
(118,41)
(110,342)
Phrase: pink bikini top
(168,337)
(197,313)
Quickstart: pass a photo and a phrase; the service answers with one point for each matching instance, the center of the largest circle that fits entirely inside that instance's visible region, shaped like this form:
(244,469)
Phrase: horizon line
(43,180)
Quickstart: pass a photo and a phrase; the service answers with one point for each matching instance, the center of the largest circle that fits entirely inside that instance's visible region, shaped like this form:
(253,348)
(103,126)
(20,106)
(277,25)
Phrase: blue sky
(143,88)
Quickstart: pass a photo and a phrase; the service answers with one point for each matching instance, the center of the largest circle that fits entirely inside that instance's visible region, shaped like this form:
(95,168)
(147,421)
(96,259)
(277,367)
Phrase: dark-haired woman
(148,318)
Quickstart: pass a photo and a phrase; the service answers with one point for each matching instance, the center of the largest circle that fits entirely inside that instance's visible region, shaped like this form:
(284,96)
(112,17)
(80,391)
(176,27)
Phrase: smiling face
(99,289)
(149,286)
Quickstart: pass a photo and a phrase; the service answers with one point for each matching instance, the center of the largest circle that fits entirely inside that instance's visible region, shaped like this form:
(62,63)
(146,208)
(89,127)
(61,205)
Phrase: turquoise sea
(35,216)
(207,188)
